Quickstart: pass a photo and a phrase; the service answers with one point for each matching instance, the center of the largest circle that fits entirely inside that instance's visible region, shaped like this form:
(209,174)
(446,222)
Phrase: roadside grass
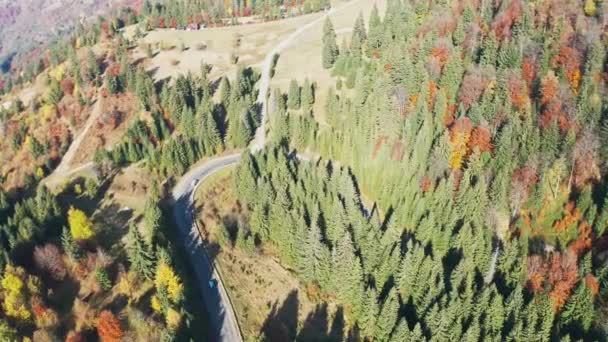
(266,296)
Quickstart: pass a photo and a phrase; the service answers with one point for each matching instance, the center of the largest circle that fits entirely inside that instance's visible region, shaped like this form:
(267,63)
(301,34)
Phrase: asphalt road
(222,317)
(221,314)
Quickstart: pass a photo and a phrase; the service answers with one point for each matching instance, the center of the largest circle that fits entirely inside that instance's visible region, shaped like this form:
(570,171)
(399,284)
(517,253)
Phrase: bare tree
(48,258)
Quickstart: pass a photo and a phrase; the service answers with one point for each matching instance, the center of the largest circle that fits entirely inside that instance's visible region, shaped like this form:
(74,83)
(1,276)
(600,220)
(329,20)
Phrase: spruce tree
(330,47)
(307,96)
(370,313)
(348,273)
(139,256)
(315,258)
(375,32)
(152,221)
(293,98)
(225,91)
(70,247)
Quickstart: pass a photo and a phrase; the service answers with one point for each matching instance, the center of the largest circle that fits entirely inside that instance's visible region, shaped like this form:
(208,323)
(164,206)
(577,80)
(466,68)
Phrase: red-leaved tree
(108,327)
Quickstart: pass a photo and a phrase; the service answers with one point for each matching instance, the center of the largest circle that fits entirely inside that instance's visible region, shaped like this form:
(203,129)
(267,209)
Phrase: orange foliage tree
(592,284)
(528,72)
(505,19)
(569,59)
(549,88)
(481,140)
(108,327)
(518,92)
(584,240)
(571,217)
(75,337)
(536,273)
(563,276)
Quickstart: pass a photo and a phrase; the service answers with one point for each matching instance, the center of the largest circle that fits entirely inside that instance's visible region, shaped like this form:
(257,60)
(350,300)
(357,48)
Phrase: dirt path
(259,140)
(63,169)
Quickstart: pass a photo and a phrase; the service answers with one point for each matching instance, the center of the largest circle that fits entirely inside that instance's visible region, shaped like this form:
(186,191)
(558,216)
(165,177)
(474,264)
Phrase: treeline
(64,48)
(186,122)
(292,119)
(443,280)
(484,150)
(181,14)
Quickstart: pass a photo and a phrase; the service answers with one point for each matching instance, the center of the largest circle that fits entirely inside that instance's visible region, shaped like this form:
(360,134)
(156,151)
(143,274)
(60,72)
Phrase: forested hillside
(448,184)
(479,130)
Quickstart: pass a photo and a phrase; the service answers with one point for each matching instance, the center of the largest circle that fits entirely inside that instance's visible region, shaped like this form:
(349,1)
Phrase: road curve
(222,317)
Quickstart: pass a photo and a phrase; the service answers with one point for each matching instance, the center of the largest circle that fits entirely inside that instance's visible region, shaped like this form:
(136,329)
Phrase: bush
(91,187)
(234,58)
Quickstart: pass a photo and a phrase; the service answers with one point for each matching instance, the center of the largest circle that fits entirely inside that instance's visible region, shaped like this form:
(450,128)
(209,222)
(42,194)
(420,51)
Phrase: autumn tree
(460,134)
(48,258)
(81,226)
(108,327)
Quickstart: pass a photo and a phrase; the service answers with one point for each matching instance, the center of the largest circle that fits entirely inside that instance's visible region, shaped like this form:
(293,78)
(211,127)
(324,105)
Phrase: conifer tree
(347,273)
(293,99)
(374,39)
(225,90)
(330,47)
(315,258)
(370,313)
(69,245)
(138,254)
(307,97)
(152,220)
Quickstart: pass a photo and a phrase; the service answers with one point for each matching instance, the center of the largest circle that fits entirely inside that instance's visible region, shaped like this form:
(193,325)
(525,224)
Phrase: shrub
(234,58)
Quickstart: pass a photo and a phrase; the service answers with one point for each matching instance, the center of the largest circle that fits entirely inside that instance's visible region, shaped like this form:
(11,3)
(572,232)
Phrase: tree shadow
(114,224)
(281,324)
(316,325)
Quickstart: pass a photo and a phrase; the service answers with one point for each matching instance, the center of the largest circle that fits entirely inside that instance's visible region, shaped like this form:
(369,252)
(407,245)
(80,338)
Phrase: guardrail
(215,266)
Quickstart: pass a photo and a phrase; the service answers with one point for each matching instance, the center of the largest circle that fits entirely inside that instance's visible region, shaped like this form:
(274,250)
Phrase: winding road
(222,317)
(221,312)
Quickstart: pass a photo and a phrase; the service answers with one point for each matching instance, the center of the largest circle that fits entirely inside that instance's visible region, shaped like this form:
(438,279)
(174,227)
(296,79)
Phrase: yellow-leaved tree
(17,288)
(81,226)
(166,278)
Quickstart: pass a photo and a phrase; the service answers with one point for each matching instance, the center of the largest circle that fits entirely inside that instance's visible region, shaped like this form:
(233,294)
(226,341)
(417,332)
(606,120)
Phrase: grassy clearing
(256,41)
(267,297)
(303,60)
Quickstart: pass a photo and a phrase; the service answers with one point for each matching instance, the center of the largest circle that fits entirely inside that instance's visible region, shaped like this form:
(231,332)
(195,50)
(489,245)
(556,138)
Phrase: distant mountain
(27,24)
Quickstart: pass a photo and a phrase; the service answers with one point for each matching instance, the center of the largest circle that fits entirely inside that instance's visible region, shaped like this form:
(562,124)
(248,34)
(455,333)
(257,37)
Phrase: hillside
(395,170)
(28,24)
